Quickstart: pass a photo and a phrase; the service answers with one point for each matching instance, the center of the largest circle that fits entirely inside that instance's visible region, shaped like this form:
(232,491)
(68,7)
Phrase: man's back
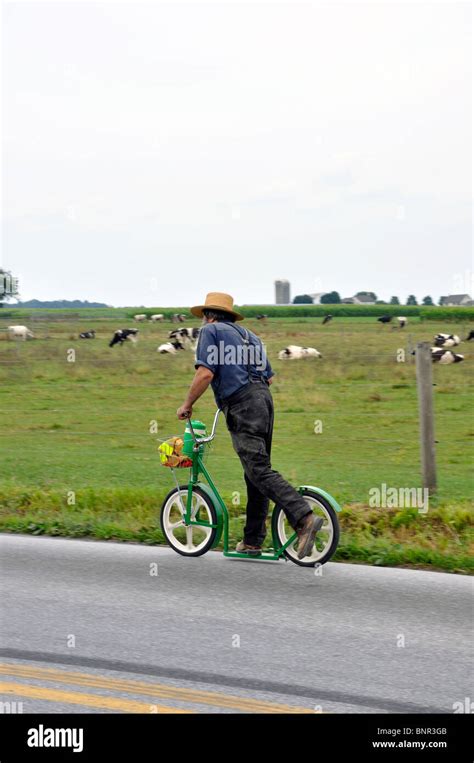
(233,354)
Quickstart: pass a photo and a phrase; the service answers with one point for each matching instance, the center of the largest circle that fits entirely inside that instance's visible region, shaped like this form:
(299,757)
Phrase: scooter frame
(210,489)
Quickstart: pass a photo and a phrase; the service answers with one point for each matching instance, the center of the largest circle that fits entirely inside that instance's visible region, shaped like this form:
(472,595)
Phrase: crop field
(79,430)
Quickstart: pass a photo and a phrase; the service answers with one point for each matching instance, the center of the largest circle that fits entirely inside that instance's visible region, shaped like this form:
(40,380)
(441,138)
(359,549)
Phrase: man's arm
(201,381)
(269,372)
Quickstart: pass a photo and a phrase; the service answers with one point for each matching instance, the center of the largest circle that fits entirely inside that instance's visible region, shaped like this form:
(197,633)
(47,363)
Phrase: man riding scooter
(233,361)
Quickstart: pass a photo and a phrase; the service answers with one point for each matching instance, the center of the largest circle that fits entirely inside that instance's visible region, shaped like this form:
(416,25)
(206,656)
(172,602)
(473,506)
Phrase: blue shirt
(222,349)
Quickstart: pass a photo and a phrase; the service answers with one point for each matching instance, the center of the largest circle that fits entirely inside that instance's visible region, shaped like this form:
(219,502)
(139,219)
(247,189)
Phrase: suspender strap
(246,341)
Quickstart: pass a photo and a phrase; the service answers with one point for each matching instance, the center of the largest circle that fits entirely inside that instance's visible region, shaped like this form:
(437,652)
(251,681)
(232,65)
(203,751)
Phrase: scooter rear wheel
(326,540)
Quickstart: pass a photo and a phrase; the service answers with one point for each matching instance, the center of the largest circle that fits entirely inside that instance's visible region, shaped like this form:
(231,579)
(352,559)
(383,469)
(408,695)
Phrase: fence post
(424,377)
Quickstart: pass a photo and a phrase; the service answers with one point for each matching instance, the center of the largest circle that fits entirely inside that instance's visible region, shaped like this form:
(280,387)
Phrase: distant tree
(8,286)
(394,301)
(380,302)
(441,300)
(370,294)
(303,299)
(331,298)
(412,300)
(428,301)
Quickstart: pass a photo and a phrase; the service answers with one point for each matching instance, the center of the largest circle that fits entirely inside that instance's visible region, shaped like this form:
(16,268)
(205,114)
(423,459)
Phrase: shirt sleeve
(205,356)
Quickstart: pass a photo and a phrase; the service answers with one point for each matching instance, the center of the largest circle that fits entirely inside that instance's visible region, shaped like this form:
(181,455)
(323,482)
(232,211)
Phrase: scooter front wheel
(190,540)
(326,540)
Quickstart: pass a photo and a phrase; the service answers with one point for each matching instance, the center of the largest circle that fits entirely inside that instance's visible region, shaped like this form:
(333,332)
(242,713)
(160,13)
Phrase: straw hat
(216,300)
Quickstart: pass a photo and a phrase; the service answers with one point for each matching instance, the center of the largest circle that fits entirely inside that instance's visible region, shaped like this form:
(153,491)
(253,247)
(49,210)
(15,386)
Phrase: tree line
(333,298)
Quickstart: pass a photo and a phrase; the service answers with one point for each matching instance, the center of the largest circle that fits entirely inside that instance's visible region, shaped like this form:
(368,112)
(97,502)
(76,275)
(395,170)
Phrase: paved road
(85,627)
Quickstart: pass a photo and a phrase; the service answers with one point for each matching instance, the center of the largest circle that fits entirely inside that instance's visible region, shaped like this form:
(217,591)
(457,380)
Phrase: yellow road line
(89,700)
(150,689)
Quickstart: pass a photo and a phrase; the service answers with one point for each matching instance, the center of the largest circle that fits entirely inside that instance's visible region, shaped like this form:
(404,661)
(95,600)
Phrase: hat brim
(198,311)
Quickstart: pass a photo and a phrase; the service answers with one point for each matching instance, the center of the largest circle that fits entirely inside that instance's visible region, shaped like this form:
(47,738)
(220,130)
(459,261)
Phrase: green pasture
(90,428)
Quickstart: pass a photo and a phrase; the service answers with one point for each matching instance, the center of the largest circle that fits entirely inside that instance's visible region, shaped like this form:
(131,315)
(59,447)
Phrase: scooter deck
(268,554)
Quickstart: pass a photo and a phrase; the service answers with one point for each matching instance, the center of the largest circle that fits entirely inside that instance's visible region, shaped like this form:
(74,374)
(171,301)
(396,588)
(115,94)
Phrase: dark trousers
(249,417)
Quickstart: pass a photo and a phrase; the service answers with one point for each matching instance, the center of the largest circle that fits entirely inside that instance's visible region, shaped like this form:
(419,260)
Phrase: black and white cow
(445,357)
(87,335)
(178,318)
(122,335)
(293,352)
(470,335)
(186,336)
(327,318)
(402,321)
(190,334)
(385,318)
(442,356)
(262,317)
(446,340)
(171,348)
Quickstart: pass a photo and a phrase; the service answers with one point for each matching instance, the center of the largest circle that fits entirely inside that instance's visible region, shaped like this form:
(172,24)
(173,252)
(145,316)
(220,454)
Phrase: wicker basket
(171,454)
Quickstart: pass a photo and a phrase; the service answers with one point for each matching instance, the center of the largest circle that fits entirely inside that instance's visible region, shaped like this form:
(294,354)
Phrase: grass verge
(442,539)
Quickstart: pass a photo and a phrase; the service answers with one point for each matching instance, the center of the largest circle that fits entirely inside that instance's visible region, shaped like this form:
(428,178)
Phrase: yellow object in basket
(170,453)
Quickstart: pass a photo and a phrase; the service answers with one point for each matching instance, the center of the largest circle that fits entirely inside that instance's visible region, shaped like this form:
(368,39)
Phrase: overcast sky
(154,152)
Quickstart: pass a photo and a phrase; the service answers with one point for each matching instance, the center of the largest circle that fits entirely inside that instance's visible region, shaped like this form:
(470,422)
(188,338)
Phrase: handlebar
(200,440)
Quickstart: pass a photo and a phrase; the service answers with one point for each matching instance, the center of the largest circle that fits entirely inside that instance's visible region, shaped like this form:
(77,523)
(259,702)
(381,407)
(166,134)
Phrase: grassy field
(84,426)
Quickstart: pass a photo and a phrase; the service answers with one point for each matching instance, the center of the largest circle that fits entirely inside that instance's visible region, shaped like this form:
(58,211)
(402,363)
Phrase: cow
(402,321)
(293,352)
(262,317)
(445,357)
(122,335)
(470,336)
(184,333)
(170,347)
(327,318)
(87,335)
(178,318)
(446,340)
(185,336)
(385,319)
(158,317)
(140,317)
(20,332)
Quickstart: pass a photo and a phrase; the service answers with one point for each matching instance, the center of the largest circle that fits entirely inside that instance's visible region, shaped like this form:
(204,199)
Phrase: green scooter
(194,517)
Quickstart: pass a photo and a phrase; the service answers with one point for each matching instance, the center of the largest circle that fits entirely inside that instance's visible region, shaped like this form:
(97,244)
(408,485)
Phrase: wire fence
(22,363)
